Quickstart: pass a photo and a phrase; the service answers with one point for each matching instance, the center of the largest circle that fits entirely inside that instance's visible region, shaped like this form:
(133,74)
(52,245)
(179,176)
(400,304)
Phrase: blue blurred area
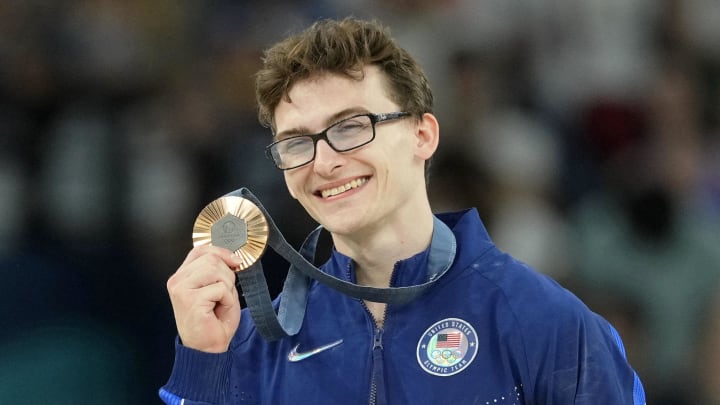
(586,133)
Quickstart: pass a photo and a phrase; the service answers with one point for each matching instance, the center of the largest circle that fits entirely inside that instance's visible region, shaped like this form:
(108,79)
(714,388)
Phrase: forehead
(315,102)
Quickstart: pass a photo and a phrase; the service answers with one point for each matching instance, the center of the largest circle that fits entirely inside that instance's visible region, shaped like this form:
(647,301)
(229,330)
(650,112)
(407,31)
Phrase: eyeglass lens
(342,136)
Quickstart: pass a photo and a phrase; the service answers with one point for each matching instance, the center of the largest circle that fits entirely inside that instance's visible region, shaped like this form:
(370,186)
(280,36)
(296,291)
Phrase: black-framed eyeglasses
(342,136)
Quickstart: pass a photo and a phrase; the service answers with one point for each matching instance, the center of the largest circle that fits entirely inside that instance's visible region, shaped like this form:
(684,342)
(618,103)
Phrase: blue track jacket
(491,331)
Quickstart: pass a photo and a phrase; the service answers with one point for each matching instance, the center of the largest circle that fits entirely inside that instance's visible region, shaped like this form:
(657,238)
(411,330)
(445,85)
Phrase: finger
(208,257)
(227,302)
(205,270)
(226,255)
(208,275)
(217,293)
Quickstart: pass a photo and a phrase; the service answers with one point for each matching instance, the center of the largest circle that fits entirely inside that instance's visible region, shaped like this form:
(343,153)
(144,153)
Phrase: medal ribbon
(291,312)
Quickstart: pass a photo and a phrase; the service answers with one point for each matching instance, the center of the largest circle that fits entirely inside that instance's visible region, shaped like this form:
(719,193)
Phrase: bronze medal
(234,223)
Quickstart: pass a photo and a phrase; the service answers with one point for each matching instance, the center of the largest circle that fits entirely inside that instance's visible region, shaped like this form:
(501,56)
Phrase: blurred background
(587,133)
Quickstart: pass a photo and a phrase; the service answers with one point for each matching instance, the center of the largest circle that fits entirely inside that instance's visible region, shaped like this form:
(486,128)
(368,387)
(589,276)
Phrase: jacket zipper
(378,395)
(377,378)
(377,385)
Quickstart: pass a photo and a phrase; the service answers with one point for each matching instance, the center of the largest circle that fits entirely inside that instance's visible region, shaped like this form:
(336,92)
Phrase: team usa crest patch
(447,347)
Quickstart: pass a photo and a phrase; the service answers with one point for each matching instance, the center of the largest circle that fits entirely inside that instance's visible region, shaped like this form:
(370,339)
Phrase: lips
(330,192)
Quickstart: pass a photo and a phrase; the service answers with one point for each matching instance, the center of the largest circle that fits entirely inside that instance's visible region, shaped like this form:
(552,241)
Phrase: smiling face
(378,185)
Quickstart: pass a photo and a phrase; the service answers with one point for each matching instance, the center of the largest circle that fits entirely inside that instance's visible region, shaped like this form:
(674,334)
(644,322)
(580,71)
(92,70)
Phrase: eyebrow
(329,121)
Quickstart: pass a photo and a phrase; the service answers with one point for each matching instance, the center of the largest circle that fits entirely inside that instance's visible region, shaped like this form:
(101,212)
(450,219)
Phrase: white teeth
(345,187)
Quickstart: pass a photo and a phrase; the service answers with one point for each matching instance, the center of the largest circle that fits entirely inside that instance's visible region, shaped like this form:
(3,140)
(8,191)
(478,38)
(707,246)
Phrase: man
(351,114)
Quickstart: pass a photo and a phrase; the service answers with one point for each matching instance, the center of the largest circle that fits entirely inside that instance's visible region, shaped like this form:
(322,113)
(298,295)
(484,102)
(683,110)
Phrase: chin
(339,224)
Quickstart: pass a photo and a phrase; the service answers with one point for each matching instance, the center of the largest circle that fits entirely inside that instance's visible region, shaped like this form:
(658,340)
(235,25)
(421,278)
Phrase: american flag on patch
(448,340)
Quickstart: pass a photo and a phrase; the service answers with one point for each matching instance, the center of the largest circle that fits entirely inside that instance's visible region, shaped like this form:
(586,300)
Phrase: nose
(326,159)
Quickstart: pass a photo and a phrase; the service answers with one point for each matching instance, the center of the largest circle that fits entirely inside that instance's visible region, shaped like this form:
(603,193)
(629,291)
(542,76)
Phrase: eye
(352,125)
(295,145)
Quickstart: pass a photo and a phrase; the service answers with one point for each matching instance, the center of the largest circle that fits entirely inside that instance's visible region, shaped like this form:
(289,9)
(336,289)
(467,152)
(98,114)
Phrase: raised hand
(205,300)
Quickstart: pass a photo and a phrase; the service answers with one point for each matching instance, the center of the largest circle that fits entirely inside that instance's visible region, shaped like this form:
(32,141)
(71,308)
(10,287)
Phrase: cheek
(289,182)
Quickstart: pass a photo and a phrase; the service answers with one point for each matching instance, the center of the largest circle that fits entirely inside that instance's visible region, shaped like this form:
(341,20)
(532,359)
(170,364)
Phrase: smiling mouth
(343,188)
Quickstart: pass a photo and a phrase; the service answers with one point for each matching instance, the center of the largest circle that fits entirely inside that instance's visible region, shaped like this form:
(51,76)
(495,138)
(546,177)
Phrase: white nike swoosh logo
(294,355)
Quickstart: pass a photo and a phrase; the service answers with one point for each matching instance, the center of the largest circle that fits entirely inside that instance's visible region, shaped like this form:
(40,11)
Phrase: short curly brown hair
(340,46)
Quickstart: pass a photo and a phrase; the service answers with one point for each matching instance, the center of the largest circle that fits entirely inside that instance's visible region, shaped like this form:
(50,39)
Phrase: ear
(427,136)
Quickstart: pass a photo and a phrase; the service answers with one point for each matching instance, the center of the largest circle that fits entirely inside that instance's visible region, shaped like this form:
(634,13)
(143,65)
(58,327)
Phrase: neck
(376,251)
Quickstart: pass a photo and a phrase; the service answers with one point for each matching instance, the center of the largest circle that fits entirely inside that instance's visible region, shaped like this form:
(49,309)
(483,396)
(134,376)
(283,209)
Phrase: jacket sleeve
(580,359)
(604,374)
(197,378)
